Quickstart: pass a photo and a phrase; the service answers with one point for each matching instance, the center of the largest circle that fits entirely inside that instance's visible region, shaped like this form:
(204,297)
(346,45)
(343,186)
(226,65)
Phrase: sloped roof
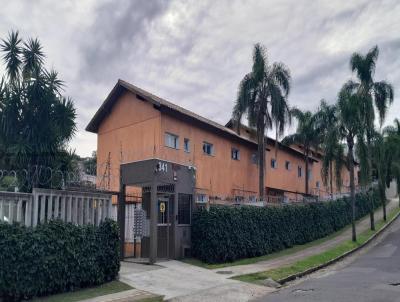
(165,106)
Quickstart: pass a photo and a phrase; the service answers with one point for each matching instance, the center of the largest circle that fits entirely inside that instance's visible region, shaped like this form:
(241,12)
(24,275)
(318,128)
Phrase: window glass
(254,158)
(186,145)
(184,208)
(201,198)
(299,171)
(171,140)
(287,165)
(317,184)
(208,148)
(274,164)
(235,154)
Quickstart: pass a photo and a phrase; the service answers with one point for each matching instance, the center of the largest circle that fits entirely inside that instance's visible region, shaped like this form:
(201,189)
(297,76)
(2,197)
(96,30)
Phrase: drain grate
(300,290)
(225,272)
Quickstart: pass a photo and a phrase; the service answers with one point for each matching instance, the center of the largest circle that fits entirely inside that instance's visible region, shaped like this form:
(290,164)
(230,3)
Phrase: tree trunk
(331,177)
(306,173)
(369,182)
(350,144)
(383,198)
(261,159)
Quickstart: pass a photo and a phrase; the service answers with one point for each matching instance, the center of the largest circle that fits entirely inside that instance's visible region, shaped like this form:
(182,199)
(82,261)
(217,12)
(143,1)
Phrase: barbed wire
(26,179)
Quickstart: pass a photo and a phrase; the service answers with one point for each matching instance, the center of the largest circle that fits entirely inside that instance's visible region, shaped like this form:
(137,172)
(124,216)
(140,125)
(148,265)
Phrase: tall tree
(36,121)
(307,135)
(374,95)
(332,148)
(350,123)
(262,96)
(392,136)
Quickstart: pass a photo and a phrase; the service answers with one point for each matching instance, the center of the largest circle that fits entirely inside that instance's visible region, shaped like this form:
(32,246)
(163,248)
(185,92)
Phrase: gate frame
(152,173)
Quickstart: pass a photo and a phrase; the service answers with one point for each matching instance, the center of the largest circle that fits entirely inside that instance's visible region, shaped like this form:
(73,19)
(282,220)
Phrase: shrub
(225,234)
(56,257)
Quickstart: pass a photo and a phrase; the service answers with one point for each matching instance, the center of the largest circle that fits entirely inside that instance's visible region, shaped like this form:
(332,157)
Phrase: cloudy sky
(194,53)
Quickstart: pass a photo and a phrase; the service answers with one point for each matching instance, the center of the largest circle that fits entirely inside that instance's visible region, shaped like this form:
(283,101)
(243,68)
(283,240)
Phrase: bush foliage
(56,257)
(225,234)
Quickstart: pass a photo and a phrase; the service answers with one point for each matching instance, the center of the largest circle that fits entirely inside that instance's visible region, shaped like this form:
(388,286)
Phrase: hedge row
(56,257)
(225,234)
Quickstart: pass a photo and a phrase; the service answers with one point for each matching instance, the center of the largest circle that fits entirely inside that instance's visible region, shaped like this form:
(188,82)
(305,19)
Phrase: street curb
(330,262)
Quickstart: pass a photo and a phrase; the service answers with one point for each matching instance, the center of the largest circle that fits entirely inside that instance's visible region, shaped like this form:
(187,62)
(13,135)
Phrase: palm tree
(332,149)
(36,121)
(350,122)
(262,96)
(381,155)
(373,95)
(392,135)
(307,135)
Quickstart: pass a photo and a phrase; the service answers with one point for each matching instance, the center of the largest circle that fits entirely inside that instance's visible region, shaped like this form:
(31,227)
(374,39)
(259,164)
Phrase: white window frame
(186,145)
(174,137)
(211,148)
(201,198)
(235,151)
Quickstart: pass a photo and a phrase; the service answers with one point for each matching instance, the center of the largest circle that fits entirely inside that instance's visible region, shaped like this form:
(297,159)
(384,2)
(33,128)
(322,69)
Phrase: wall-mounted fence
(44,204)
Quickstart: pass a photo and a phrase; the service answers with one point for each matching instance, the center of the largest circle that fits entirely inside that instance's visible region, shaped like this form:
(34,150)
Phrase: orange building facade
(134,125)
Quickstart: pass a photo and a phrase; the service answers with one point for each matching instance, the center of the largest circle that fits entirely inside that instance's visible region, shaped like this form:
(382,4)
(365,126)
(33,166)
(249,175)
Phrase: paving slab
(178,280)
(125,296)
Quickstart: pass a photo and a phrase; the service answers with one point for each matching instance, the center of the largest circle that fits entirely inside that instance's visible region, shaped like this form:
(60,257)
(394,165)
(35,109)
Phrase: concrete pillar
(153,222)
(49,207)
(35,214)
(87,210)
(91,203)
(19,210)
(62,214)
(74,210)
(80,211)
(56,206)
(28,211)
(69,208)
(42,207)
(10,211)
(1,210)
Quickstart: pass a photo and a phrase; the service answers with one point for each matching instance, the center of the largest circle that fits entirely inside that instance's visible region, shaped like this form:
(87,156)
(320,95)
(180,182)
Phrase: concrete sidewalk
(361,226)
(179,281)
(124,296)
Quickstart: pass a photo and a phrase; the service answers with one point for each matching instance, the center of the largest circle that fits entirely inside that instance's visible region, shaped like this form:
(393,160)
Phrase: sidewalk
(361,226)
(125,296)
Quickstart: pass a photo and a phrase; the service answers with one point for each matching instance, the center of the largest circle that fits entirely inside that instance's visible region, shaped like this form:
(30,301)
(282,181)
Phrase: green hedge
(56,257)
(224,234)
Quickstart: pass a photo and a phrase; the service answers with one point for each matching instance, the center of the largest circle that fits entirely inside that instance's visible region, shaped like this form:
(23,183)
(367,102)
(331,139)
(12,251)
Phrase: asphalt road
(373,276)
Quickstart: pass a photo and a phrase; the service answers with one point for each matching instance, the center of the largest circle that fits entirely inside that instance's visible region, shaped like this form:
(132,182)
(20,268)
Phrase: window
(299,171)
(208,148)
(254,158)
(184,208)
(274,164)
(309,174)
(287,165)
(186,145)
(171,140)
(252,198)
(235,154)
(201,198)
(317,184)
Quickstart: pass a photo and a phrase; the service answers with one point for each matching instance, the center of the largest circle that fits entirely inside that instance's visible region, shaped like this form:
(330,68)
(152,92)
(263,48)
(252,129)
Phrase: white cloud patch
(195,53)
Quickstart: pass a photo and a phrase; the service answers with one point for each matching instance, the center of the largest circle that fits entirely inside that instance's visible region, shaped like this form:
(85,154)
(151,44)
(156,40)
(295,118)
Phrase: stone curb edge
(332,261)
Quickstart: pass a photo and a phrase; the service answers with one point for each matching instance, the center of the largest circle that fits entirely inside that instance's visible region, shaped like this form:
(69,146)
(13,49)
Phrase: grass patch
(315,260)
(87,293)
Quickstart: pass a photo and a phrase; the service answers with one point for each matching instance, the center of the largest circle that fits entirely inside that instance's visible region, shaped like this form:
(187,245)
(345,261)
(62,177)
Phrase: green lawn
(315,260)
(87,293)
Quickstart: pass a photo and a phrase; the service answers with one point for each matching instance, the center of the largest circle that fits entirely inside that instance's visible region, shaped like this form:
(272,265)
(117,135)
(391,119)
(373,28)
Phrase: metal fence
(46,204)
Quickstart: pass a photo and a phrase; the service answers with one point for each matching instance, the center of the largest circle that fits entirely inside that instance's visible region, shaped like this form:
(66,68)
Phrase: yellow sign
(162,207)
